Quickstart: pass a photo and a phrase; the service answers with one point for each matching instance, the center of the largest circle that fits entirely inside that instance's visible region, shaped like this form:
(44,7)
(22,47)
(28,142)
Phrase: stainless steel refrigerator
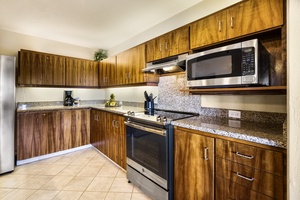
(7,113)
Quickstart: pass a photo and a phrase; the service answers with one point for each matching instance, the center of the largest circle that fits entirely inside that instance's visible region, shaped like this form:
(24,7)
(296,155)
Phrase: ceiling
(87,23)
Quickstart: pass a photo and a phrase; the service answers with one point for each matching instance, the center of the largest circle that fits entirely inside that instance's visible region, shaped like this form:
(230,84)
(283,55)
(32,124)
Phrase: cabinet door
(139,63)
(150,50)
(121,141)
(59,71)
(194,166)
(254,15)
(208,30)
(94,136)
(91,74)
(122,65)
(26,58)
(71,72)
(179,42)
(108,71)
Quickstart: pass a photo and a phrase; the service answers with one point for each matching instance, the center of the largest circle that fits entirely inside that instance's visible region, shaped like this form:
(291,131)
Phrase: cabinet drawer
(256,180)
(262,159)
(226,189)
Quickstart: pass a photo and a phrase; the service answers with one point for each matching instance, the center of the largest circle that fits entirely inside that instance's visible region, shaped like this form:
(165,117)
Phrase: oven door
(147,151)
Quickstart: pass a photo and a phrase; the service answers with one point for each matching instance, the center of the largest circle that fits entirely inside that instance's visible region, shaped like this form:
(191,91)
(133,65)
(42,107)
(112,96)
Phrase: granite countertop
(117,110)
(262,133)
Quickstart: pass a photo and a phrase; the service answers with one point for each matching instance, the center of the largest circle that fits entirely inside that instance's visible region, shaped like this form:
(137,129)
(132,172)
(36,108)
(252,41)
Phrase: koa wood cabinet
(170,44)
(108,135)
(129,67)
(36,68)
(108,72)
(248,172)
(193,166)
(41,133)
(247,17)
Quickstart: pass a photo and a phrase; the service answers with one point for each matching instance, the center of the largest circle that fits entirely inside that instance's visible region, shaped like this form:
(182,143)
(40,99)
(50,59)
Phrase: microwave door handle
(147,129)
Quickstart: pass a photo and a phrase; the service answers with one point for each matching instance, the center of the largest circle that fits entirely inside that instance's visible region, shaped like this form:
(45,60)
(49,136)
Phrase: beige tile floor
(84,175)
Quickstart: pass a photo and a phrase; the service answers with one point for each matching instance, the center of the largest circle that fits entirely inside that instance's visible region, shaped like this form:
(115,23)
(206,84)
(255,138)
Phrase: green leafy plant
(100,55)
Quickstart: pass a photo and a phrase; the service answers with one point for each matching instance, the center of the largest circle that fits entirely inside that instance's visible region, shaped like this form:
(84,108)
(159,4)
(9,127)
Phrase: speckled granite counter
(117,110)
(262,133)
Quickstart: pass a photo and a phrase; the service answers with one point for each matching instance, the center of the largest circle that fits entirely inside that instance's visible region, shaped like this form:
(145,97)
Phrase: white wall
(293,124)
(198,11)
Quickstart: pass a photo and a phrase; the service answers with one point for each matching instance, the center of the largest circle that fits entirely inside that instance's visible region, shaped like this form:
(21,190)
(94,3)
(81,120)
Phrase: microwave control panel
(248,61)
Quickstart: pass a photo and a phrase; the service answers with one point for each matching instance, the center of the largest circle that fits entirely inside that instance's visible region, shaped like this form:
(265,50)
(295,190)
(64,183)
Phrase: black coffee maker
(68,99)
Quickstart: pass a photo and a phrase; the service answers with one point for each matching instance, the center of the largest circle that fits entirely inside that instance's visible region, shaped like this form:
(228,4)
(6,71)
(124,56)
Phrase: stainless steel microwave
(241,64)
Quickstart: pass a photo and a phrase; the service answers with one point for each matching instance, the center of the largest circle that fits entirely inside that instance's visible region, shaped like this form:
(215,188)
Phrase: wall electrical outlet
(234,114)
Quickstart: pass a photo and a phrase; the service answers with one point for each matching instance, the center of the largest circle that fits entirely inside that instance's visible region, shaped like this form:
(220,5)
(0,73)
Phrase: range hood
(167,65)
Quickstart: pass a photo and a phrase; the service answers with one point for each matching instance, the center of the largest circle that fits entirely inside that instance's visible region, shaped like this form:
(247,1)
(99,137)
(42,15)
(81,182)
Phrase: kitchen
(12,42)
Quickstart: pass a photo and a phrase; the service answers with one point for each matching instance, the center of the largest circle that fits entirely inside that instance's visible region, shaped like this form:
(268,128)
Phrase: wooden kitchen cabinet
(98,130)
(253,16)
(81,73)
(108,135)
(170,44)
(248,172)
(194,165)
(208,30)
(75,128)
(38,133)
(41,133)
(129,67)
(41,69)
(116,139)
(247,17)
(108,72)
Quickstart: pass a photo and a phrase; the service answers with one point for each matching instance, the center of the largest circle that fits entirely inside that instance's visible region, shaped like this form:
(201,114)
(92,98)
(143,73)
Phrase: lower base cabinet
(41,133)
(224,168)
(193,166)
(108,135)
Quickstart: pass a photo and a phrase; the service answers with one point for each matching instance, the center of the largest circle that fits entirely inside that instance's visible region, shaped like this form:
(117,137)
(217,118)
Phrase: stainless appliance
(167,65)
(240,64)
(149,149)
(7,113)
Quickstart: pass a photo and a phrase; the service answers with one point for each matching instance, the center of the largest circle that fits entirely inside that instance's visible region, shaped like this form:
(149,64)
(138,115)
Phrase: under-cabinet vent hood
(167,65)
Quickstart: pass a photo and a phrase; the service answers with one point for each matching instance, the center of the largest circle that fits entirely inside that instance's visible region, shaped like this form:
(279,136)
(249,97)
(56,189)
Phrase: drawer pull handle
(244,156)
(244,177)
(206,153)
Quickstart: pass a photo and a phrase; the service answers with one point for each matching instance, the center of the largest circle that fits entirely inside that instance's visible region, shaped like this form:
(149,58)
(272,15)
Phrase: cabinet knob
(231,22)
(206,153)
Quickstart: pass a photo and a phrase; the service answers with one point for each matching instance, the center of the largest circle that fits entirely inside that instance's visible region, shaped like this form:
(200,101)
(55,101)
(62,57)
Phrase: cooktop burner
(160,116)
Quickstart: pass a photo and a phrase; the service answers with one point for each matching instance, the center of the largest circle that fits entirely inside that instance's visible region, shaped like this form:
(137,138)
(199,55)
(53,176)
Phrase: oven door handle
(151,130)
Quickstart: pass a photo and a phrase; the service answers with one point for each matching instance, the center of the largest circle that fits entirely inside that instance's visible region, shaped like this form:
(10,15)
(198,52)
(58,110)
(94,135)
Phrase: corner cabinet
(40,69)
(170,44)
(242,19)
(129,68)
(41,133)
(194,166)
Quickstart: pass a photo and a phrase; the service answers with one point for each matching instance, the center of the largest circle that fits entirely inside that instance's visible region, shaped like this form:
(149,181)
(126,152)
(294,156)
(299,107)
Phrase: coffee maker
(68,99)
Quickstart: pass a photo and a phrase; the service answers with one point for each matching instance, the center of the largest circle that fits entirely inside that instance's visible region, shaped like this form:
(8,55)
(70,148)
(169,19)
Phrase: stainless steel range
(149,148)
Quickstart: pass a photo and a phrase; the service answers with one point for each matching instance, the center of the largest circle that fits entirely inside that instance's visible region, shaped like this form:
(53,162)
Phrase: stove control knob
(164,119)
(132,113)
(129,113)
(158,118)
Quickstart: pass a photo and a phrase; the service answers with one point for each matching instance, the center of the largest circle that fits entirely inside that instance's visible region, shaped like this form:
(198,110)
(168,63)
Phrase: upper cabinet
(39,69)
(170,44)
(82,73)
(108,71)
(129,67)
(43,69)
(241,19)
